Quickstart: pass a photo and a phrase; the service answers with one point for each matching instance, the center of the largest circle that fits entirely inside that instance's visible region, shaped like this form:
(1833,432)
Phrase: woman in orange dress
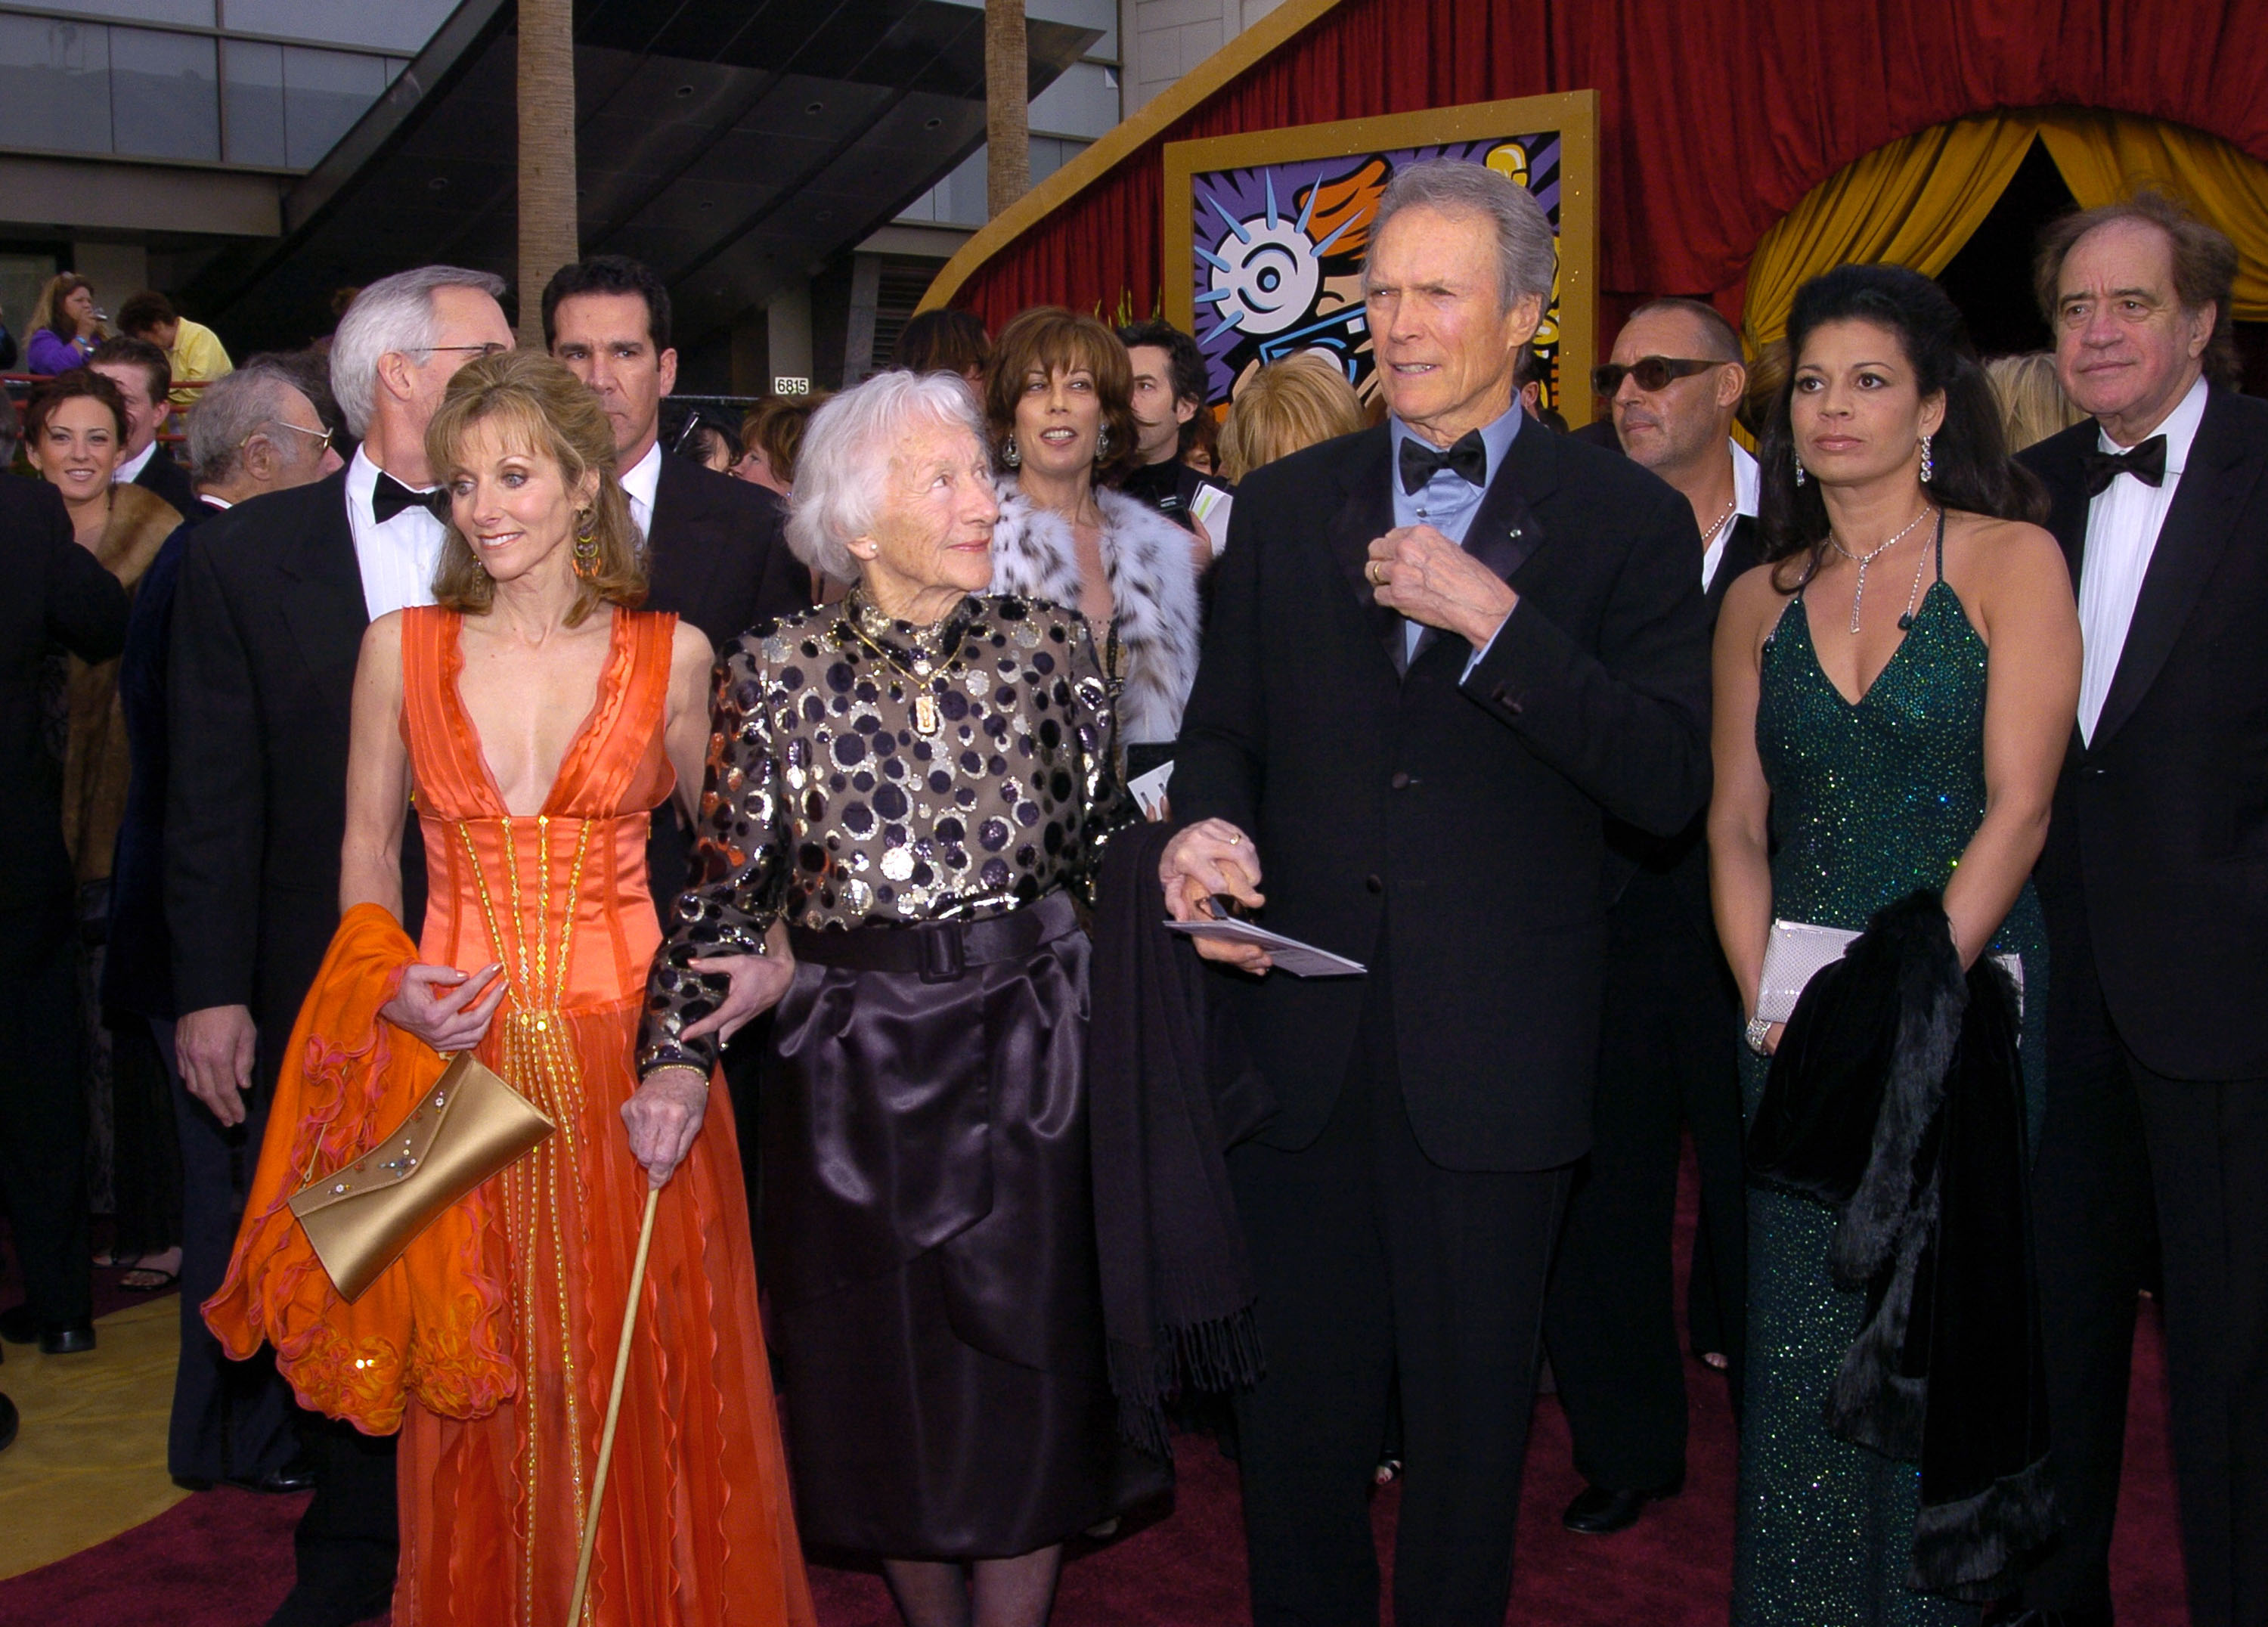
(492,1339)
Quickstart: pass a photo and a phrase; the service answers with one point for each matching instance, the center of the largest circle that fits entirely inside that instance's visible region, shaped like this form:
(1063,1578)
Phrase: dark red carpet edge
(223,1558)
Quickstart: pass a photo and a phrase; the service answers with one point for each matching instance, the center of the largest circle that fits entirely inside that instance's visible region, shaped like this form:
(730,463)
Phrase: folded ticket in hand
(1288,954)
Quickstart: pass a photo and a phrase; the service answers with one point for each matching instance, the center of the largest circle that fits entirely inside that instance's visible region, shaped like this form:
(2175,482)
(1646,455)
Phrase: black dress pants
(231,1420)
(43,1136)
(1667,1061)
(2126,1155)
(1371,1261)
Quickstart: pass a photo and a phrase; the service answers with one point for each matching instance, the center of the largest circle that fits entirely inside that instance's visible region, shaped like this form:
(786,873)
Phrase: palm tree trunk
(547,154)
(1007,112)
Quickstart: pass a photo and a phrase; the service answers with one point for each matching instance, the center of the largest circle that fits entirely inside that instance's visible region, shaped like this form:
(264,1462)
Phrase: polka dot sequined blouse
(864,771)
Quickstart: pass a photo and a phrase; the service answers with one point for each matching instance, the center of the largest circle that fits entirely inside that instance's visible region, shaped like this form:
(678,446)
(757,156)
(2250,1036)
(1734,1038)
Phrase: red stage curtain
(1715,118)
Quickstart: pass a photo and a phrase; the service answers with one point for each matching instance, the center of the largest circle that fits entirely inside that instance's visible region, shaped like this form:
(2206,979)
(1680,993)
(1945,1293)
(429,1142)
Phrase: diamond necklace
(1862,561)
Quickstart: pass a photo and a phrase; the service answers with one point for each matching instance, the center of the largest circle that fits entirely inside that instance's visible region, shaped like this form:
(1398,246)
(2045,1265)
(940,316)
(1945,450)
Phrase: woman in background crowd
(2033,405)
(1058,399)
(931,1256)
(65,327)
(1286,406)
(951,341)
(1865,750)
(770,436)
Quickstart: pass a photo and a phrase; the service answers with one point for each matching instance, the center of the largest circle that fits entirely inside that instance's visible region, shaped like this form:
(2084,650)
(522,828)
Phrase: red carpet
(223,1558)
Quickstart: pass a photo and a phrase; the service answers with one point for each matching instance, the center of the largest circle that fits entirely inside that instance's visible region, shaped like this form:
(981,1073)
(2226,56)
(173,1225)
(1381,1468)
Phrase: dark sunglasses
(1653,372)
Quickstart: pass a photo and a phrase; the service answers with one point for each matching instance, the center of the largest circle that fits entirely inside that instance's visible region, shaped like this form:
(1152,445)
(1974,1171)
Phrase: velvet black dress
(919,804)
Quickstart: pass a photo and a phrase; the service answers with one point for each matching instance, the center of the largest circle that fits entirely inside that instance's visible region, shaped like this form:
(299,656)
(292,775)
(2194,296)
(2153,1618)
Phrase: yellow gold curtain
(1916,201)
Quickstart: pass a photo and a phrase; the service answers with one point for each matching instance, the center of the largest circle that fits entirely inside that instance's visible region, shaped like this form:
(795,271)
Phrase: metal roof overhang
(734,148)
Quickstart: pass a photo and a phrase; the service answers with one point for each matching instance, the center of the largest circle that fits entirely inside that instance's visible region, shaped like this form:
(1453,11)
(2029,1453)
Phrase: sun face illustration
(1266,273)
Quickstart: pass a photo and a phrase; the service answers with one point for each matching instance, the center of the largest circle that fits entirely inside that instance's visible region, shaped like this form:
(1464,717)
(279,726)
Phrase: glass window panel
(324,93)
(195,13)
(252,88)
(164,97)
(54,84)
(401,25)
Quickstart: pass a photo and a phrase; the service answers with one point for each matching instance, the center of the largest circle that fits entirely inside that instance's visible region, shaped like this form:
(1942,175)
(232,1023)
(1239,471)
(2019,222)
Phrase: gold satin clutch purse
(470,1125)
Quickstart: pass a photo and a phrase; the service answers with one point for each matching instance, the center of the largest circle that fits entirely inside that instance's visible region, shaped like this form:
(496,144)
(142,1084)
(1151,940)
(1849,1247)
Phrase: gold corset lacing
(537,1059)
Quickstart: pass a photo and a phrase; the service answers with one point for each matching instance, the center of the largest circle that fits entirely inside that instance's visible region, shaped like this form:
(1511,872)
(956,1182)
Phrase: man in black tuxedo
(272,602)
(1443,654)
(2154,881)
(144,376)
(716,547)
(254,432)
(58,596)
(1667,1061)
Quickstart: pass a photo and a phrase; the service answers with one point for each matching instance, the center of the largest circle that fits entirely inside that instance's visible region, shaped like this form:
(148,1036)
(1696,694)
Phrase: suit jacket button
(1400,782)
(1373,884)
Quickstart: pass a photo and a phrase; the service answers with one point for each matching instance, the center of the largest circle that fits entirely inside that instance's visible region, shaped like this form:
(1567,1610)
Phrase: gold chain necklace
(925,718)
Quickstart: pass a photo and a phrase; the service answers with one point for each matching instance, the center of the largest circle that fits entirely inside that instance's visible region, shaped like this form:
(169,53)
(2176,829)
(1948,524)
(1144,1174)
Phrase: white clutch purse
(1796,951)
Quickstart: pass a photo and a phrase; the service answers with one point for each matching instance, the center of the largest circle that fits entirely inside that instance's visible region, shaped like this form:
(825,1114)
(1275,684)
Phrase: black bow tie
(1420,462)
(391,496)
(2146,462)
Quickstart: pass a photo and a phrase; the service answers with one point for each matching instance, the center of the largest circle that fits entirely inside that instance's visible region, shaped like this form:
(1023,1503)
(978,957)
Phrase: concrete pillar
(788,339)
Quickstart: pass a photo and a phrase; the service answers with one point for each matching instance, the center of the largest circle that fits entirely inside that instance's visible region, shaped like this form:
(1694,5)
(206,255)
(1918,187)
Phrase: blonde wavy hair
(1284,408)
(2033,405)
(550,414)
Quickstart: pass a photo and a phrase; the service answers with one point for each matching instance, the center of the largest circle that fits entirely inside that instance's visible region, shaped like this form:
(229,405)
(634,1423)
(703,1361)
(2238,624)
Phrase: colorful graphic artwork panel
(1277,251)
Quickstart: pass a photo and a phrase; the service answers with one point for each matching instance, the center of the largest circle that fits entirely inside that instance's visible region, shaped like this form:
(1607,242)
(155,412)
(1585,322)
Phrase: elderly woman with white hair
(916,780)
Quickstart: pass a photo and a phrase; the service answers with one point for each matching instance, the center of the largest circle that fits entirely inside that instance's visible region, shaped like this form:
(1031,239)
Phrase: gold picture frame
(1285,212)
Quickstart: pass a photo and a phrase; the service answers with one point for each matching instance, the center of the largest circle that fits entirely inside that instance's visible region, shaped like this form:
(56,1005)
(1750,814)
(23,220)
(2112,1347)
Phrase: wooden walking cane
(613,1409)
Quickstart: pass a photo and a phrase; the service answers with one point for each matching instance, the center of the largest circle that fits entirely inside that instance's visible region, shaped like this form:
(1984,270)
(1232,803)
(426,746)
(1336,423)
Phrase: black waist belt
(938,950)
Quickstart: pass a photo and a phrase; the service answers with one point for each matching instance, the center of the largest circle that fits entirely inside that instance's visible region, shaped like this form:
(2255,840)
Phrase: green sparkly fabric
(1869,802)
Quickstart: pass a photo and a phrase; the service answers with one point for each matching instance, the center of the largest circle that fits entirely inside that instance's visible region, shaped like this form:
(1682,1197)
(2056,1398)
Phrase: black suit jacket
(1461,818)
(268,623)
(57,595)
(718,557)
(2156,861)
(170,481)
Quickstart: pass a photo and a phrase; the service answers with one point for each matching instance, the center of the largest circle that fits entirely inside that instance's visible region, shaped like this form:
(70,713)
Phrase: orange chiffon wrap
(491,1341)
(436,1322)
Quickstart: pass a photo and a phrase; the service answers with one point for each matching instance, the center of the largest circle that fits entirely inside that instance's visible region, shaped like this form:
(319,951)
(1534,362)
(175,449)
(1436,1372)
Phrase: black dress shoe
(8,1421)
(1597,1511)
(55,1338)
(293,1476)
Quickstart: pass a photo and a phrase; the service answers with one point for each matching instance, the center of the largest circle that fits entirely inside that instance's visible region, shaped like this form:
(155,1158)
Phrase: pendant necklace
(925,720)
(1862,561)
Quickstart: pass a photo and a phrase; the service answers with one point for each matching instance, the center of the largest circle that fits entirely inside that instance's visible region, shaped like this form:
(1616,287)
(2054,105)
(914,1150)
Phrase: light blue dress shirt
(1448,501)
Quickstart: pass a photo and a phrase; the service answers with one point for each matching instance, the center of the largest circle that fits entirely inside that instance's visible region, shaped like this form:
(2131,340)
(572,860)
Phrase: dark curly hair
(1972,471)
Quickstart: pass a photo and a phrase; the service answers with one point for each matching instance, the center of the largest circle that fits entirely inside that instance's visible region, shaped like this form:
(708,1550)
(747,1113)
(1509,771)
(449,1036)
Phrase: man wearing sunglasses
(1667,1061)
(273,601)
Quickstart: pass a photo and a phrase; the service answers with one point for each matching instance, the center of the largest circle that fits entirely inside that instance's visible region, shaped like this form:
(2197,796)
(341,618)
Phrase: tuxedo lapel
(1365,514)
(1505,531)
(680,571)
(2220,475)
(323,599)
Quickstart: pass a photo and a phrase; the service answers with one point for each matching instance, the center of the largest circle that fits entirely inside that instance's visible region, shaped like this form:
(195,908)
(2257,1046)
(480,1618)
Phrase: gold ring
(1234,838)
(1376,580)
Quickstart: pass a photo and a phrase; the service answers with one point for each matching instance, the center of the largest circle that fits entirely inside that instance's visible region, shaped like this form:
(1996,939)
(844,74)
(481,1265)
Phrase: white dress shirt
(2122,532)
(1748,482)
(134,466)
(639,483)
(397,558)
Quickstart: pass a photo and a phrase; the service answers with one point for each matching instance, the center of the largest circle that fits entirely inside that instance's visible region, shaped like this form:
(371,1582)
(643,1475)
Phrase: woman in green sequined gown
(1878,730)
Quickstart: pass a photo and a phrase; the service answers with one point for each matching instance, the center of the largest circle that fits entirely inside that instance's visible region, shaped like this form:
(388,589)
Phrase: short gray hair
(1528,256)
(839,470)
(230,411)
(394,314)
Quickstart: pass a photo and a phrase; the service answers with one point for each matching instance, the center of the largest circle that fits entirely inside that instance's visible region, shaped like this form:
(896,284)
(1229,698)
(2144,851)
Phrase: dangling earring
(1010,456)
(1102,445)
(1798,471)
(586,543)
(1928,467)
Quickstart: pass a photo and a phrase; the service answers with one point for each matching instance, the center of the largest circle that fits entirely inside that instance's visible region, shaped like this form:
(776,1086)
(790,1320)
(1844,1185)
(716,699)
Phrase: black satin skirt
(929,1242)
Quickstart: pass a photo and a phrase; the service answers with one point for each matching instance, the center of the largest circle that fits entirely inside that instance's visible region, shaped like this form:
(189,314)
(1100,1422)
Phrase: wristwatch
(1759,1030)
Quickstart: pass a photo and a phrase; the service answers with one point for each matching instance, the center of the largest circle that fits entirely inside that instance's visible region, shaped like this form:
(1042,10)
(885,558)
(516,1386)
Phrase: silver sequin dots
(826,804)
